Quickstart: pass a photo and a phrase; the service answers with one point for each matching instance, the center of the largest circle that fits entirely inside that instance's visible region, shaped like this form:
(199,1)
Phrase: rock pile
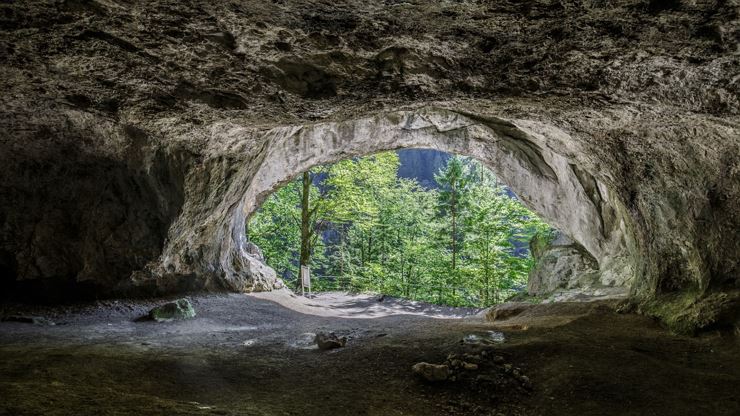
(483,368)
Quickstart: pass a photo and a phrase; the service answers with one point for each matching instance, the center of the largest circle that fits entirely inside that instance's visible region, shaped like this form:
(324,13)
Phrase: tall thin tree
(453,181)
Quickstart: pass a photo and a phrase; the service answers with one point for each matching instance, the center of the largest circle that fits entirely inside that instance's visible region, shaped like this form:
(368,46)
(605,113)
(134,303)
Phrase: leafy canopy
(381,233)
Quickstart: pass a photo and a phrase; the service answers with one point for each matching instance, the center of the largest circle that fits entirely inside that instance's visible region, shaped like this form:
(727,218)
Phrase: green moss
(541,241)
(688,311)
(179,309)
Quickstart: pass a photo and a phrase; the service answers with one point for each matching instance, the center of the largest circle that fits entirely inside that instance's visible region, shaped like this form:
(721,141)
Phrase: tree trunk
(342,249)
(305,221)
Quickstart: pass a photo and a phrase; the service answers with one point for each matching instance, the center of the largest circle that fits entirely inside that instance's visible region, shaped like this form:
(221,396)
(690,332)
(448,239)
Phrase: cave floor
(252,355)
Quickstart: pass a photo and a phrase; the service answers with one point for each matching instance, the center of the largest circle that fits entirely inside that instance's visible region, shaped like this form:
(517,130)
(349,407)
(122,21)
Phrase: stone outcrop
(170,311)
(561,263)
(137,139)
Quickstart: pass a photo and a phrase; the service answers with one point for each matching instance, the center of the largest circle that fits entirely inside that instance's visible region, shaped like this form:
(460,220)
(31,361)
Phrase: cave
(138,139)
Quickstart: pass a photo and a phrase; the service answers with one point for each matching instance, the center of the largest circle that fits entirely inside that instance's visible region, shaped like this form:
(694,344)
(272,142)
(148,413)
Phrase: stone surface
(470,366)
(170,311)
(27,319)
(506,310)
(329,341)
(255,251)
(484,338)
(561,263)
(431,372)
(136,140)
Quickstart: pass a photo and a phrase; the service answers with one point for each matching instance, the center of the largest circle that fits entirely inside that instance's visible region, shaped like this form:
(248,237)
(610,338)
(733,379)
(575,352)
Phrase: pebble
(431,372)
(329,341)
(470,366)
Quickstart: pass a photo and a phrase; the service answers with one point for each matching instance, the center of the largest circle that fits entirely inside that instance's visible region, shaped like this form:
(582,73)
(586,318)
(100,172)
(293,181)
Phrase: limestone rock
(329,341)
(255,251)
(506,310)
(170,311)
(560,263)
(470,366)
(431,372)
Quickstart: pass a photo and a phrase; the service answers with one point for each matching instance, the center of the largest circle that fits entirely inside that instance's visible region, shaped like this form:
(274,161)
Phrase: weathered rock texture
(561,263)
(170,311)
(138,137)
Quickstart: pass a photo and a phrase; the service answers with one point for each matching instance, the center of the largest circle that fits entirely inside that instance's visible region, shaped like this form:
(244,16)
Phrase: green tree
(453,180)
(361,225)
(288,226)
(275,228)
(496,224)
(354,194)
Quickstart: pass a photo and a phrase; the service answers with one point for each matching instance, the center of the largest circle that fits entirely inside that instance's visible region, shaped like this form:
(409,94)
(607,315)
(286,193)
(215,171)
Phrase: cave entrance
(419,224)
(537,161)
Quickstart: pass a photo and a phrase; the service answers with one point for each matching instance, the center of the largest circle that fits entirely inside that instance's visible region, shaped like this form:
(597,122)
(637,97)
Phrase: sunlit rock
(170,311)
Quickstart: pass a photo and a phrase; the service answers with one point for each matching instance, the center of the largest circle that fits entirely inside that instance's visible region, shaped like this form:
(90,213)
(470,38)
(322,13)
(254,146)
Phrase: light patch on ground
(359,306)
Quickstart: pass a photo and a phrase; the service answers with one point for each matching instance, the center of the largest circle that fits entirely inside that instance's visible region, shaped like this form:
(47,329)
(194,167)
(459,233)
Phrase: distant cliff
(421,164)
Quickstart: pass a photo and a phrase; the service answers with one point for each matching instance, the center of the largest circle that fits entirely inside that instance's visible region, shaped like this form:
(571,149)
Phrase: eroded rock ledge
(136,140)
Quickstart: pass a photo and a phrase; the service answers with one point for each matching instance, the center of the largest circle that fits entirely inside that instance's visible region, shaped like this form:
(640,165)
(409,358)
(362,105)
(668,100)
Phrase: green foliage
(276,229)
(384,234)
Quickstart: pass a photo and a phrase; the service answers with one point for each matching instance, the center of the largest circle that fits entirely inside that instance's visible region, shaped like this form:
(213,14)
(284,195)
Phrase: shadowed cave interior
(138,139)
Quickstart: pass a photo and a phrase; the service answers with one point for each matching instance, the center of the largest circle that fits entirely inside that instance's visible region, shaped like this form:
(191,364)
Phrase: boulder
(431,372)
(178,309)
(329,341)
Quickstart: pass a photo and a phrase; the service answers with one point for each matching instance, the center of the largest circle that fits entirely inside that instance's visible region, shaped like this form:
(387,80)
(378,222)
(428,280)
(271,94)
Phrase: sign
(305,279)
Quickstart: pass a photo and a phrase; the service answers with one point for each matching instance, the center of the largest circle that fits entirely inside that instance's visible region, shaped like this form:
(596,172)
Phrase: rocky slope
(138,136)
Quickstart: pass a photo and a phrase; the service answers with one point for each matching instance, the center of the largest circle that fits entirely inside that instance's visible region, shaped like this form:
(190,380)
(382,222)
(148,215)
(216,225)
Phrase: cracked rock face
(138,137)
(561,263)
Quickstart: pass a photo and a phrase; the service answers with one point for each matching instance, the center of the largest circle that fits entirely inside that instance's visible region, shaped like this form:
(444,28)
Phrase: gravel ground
(254,355)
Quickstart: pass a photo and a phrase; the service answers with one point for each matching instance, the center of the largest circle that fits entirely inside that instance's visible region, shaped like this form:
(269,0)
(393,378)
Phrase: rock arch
(524,154)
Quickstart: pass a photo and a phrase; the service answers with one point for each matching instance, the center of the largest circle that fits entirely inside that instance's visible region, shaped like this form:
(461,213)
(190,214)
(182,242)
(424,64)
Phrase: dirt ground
(254,355)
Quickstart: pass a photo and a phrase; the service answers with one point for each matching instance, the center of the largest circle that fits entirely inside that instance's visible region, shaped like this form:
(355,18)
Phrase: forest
(360,227)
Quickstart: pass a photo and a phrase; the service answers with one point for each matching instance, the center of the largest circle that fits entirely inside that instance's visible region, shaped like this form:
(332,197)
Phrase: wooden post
(305,280)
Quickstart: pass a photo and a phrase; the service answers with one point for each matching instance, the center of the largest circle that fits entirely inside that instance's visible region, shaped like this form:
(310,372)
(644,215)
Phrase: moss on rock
(691,311)
(179,309)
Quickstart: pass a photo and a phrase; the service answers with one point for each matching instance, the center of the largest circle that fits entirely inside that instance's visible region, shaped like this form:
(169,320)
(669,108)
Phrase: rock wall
(561,263)
(137,138)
